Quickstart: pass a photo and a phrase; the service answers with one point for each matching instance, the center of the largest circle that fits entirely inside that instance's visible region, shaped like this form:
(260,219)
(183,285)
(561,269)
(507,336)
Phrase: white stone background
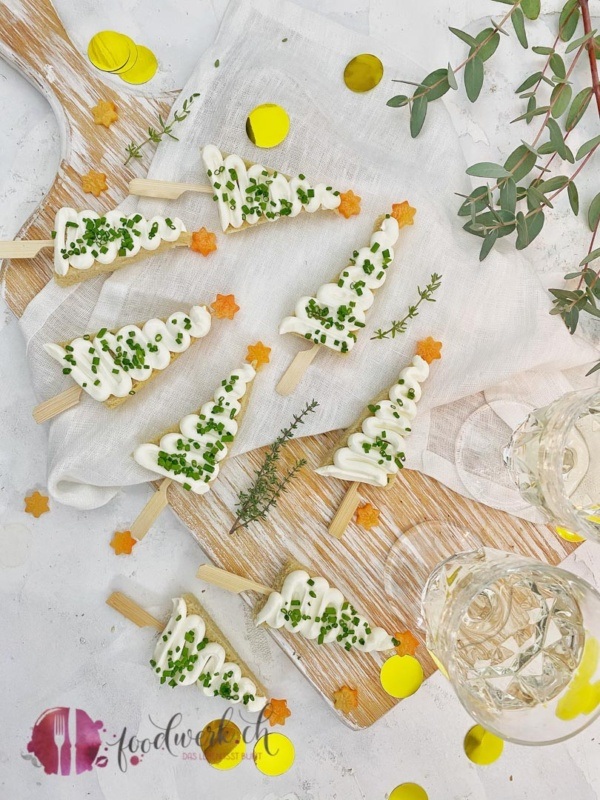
(62,646)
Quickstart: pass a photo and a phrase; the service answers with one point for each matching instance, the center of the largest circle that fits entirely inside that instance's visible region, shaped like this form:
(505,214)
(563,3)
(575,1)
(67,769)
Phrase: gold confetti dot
(110,50)
(482,747)
(401,676)
(569,536)
(363,73)
(222,743)
(267,125)
(408,791)
(144,68)
(274,754)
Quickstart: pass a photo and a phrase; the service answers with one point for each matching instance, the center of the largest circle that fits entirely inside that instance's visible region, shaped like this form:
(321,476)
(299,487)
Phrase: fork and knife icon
(63,728)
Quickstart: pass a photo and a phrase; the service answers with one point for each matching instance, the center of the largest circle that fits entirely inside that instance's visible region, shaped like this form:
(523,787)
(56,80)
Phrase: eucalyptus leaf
(452,78)
(491,39)
(488,243)
(537,198)
(553,184)
(477,201)
(543,51)
(587,147)
(474,77)
(557,65)
(520,162)
(518,21)
(578,42)
(508,195)
(546,149)
(464,36)
(556,137)
(590,257)
(504,219)
(531,8)
(398,101)
(437,84)
(560,99)
(528,228)
(569,19)
(529,82)
(573,197)
(418,112)
(529,115)
(531,106)
(594,213)
(486,169)
(578,107)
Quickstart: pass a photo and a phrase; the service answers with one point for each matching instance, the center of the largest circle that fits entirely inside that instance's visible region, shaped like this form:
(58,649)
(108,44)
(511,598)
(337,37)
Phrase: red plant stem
(591,48)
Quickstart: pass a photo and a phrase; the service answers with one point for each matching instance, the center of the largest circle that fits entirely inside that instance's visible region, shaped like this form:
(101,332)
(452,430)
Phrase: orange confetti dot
(36,504)
(225,307)
(407,643)
(404,213)
(345,699)
(123,543)
(94,183)
(429,349)
(203,242)
(258,354)
(349,204)
(367,516)
(277,711)
(105,113)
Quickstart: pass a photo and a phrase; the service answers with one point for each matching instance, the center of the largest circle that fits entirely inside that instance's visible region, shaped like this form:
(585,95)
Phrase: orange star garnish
(404,213)
(225,307)
(123,543)
(258,354)
(367,516)
(429,349)
(277,711)
(349,204)
(36,504)
(345,699)
(407,643)
(203,242)
(105,113)
(94,183)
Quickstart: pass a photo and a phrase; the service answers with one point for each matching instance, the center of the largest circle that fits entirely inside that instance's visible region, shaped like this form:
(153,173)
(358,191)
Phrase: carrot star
(94,183)
(203,242)
(277,711)
(407,643)
(123,543)
(225,307)
(36,504)
(105,113)
(345,699)
(258,354)
(349,204)
(367,516)
(429,349)
(404,213)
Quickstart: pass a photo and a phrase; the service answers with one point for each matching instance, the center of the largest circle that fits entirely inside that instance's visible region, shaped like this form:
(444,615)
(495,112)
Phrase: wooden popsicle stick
(131,611)
(24,248)
(295,372)
(345,511)
(57,404)
(230,581)
(151,511)
(166,190)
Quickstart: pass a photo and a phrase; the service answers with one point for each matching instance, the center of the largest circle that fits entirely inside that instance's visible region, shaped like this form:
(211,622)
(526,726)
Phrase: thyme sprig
(156,135)
(269,485)
(399,326)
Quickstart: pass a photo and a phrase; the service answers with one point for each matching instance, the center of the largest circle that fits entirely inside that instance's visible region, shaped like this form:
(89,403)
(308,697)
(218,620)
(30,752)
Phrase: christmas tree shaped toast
(336,314)
(87,244)
(307,605)
(112,365)
(247,194)
(371,451)
(192,649)
(191,452)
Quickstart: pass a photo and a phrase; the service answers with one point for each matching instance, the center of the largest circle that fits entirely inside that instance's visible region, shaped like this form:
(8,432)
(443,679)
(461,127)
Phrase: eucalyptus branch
(591,48)
(425,295)
(156,135)
(263,495)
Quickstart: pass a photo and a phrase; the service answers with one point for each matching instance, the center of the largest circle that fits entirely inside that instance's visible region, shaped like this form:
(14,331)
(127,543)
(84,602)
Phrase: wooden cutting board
(33,39)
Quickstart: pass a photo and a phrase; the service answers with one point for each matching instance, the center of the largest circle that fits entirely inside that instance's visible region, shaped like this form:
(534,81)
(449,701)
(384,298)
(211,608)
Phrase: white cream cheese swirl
(310,607)
(183,655)
(108,364)
(375,453)
(191,457)
(337,312)
(84,237)
(246,194)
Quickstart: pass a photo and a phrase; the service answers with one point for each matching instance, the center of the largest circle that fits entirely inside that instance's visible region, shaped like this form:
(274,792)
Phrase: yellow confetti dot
(582,696)
(363,73)
(401,676)
(274,754)
(144,68)
(482,747)
(267,125)
(569,536)
(130,63)
(222,743)
(110,50)
(408,791)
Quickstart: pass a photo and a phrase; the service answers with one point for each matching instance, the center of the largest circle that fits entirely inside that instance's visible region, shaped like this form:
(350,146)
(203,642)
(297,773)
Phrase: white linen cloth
(499,341)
